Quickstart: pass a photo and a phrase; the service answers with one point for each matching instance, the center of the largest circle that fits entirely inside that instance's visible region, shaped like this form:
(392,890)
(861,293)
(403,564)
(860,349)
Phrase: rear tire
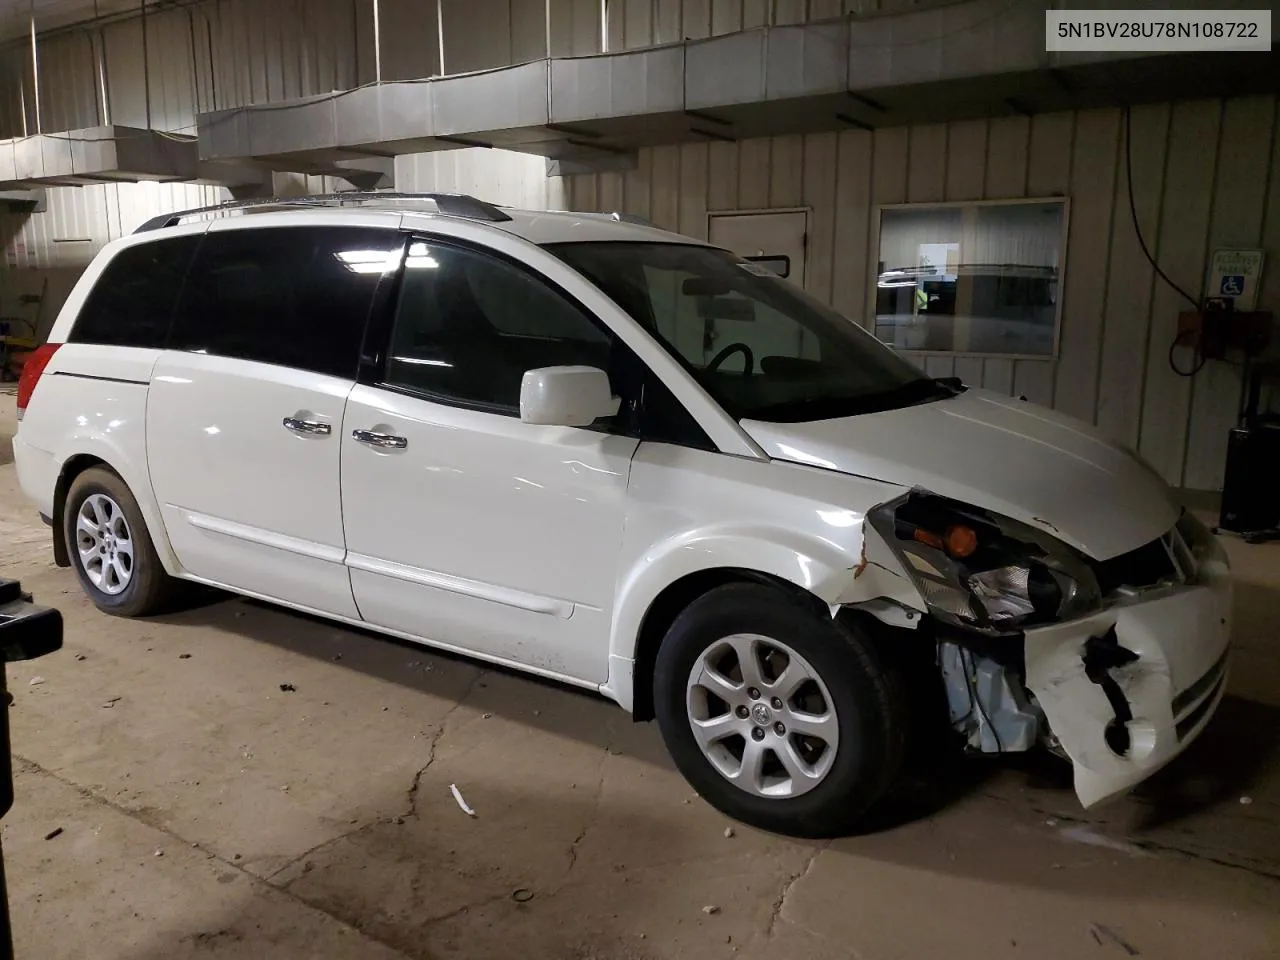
(805,742)
(111,549)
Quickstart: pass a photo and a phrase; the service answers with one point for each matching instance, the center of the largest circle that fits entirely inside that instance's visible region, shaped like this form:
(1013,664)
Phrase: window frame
(381,327)
(1060,200)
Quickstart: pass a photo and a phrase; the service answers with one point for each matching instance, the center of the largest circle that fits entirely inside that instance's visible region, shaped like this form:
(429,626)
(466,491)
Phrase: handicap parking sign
(1236,274)
(1232,286)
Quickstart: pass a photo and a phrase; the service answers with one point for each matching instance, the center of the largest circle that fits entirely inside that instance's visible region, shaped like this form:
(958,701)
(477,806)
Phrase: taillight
(34,365)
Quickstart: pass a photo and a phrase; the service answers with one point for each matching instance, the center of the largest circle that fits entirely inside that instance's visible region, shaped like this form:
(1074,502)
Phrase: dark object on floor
(288,688)
(26,632)
(55,832)
(1250,502)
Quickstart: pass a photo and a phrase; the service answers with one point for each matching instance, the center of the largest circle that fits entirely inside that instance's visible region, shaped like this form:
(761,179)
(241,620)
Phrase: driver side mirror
(566,396)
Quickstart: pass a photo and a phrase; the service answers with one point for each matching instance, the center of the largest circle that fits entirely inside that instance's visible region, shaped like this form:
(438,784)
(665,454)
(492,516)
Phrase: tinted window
(132,302)
(293,296)
(469,325)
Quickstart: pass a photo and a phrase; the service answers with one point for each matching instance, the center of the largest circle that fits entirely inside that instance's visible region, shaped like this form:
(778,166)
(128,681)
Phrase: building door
(775,241)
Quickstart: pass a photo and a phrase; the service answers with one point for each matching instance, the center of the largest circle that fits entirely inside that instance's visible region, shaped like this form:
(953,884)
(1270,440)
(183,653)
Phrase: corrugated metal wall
(226,53)
(499,176)
(1206,174)
(164,70)
(1203,172)
(641,23)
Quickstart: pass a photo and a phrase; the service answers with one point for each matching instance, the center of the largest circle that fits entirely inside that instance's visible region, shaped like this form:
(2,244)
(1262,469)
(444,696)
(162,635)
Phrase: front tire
(111,549)
(778,717)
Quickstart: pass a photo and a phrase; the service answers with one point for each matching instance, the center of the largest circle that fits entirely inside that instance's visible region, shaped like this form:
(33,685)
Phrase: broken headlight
(978,570)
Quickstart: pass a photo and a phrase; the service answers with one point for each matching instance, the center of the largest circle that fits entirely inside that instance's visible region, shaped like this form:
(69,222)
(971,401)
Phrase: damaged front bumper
(1126,690)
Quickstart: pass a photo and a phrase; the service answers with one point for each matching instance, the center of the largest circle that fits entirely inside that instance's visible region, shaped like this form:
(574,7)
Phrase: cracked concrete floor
(204,812)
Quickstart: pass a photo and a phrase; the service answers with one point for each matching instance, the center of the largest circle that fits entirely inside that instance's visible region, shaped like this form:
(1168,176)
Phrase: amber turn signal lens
(927,538)
(961,541)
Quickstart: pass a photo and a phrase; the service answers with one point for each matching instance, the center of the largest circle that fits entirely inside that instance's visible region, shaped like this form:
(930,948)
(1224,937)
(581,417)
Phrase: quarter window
(132,302)
(292,296)
(468,326)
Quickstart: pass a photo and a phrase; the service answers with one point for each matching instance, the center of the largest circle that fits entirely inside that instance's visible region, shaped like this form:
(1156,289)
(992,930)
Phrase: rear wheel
(111,549)
(777,716)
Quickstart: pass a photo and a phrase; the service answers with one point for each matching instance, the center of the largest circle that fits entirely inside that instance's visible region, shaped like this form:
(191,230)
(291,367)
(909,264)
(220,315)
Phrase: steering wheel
(730,350)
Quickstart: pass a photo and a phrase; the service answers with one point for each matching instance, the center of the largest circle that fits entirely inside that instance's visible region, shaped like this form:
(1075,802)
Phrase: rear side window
(133,301)
(291,296)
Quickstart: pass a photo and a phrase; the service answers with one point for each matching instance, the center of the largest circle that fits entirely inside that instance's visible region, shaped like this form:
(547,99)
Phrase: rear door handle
(307,426)
(380,439)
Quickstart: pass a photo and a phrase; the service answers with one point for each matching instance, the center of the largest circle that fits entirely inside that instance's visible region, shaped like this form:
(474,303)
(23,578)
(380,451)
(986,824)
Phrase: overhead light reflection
(800,456)
(420,258)
(806,571)
(423,361)
(367,261)
(839,518)
(577,466)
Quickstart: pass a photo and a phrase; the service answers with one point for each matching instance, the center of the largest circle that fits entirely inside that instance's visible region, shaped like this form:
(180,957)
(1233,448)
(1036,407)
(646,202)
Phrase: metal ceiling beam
(969,59)
(111,154)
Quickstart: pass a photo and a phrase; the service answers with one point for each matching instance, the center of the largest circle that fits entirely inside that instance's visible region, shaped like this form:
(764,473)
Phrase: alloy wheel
(762,716)
(104,544)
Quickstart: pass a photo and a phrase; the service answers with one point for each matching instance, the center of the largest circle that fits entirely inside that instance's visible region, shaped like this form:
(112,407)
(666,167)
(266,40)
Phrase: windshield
(760,346)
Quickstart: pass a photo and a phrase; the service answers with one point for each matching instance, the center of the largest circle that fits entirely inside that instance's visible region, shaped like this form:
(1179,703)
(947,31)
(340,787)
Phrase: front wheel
(111,549)
(778,717)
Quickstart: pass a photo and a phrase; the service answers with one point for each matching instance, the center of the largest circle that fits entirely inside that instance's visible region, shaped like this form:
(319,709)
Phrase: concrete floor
(204,812)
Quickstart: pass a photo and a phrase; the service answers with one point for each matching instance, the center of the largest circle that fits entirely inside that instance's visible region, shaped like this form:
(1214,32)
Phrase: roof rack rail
(617,216)
(448,204)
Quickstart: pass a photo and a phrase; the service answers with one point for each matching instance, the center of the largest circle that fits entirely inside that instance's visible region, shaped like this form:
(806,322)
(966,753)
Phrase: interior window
(293,296)
(468,326)
(132,303)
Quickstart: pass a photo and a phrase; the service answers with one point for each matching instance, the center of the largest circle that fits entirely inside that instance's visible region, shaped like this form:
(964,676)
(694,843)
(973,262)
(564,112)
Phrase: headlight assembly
(981,571)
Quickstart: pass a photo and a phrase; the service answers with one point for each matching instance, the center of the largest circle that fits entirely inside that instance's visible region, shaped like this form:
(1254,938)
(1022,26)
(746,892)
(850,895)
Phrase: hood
(1008,456)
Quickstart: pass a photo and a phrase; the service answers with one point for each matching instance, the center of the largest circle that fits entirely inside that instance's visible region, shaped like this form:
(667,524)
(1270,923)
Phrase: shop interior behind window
(978,278)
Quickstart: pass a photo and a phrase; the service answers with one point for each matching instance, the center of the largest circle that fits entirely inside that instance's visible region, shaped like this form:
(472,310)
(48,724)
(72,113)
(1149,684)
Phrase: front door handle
(307,426)
(380,439)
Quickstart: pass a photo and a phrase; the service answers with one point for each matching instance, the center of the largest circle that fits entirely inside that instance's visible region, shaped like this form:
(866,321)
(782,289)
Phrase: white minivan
(583,447)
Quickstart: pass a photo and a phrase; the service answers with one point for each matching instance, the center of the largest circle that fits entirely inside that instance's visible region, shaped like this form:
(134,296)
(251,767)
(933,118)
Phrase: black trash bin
(27,631)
